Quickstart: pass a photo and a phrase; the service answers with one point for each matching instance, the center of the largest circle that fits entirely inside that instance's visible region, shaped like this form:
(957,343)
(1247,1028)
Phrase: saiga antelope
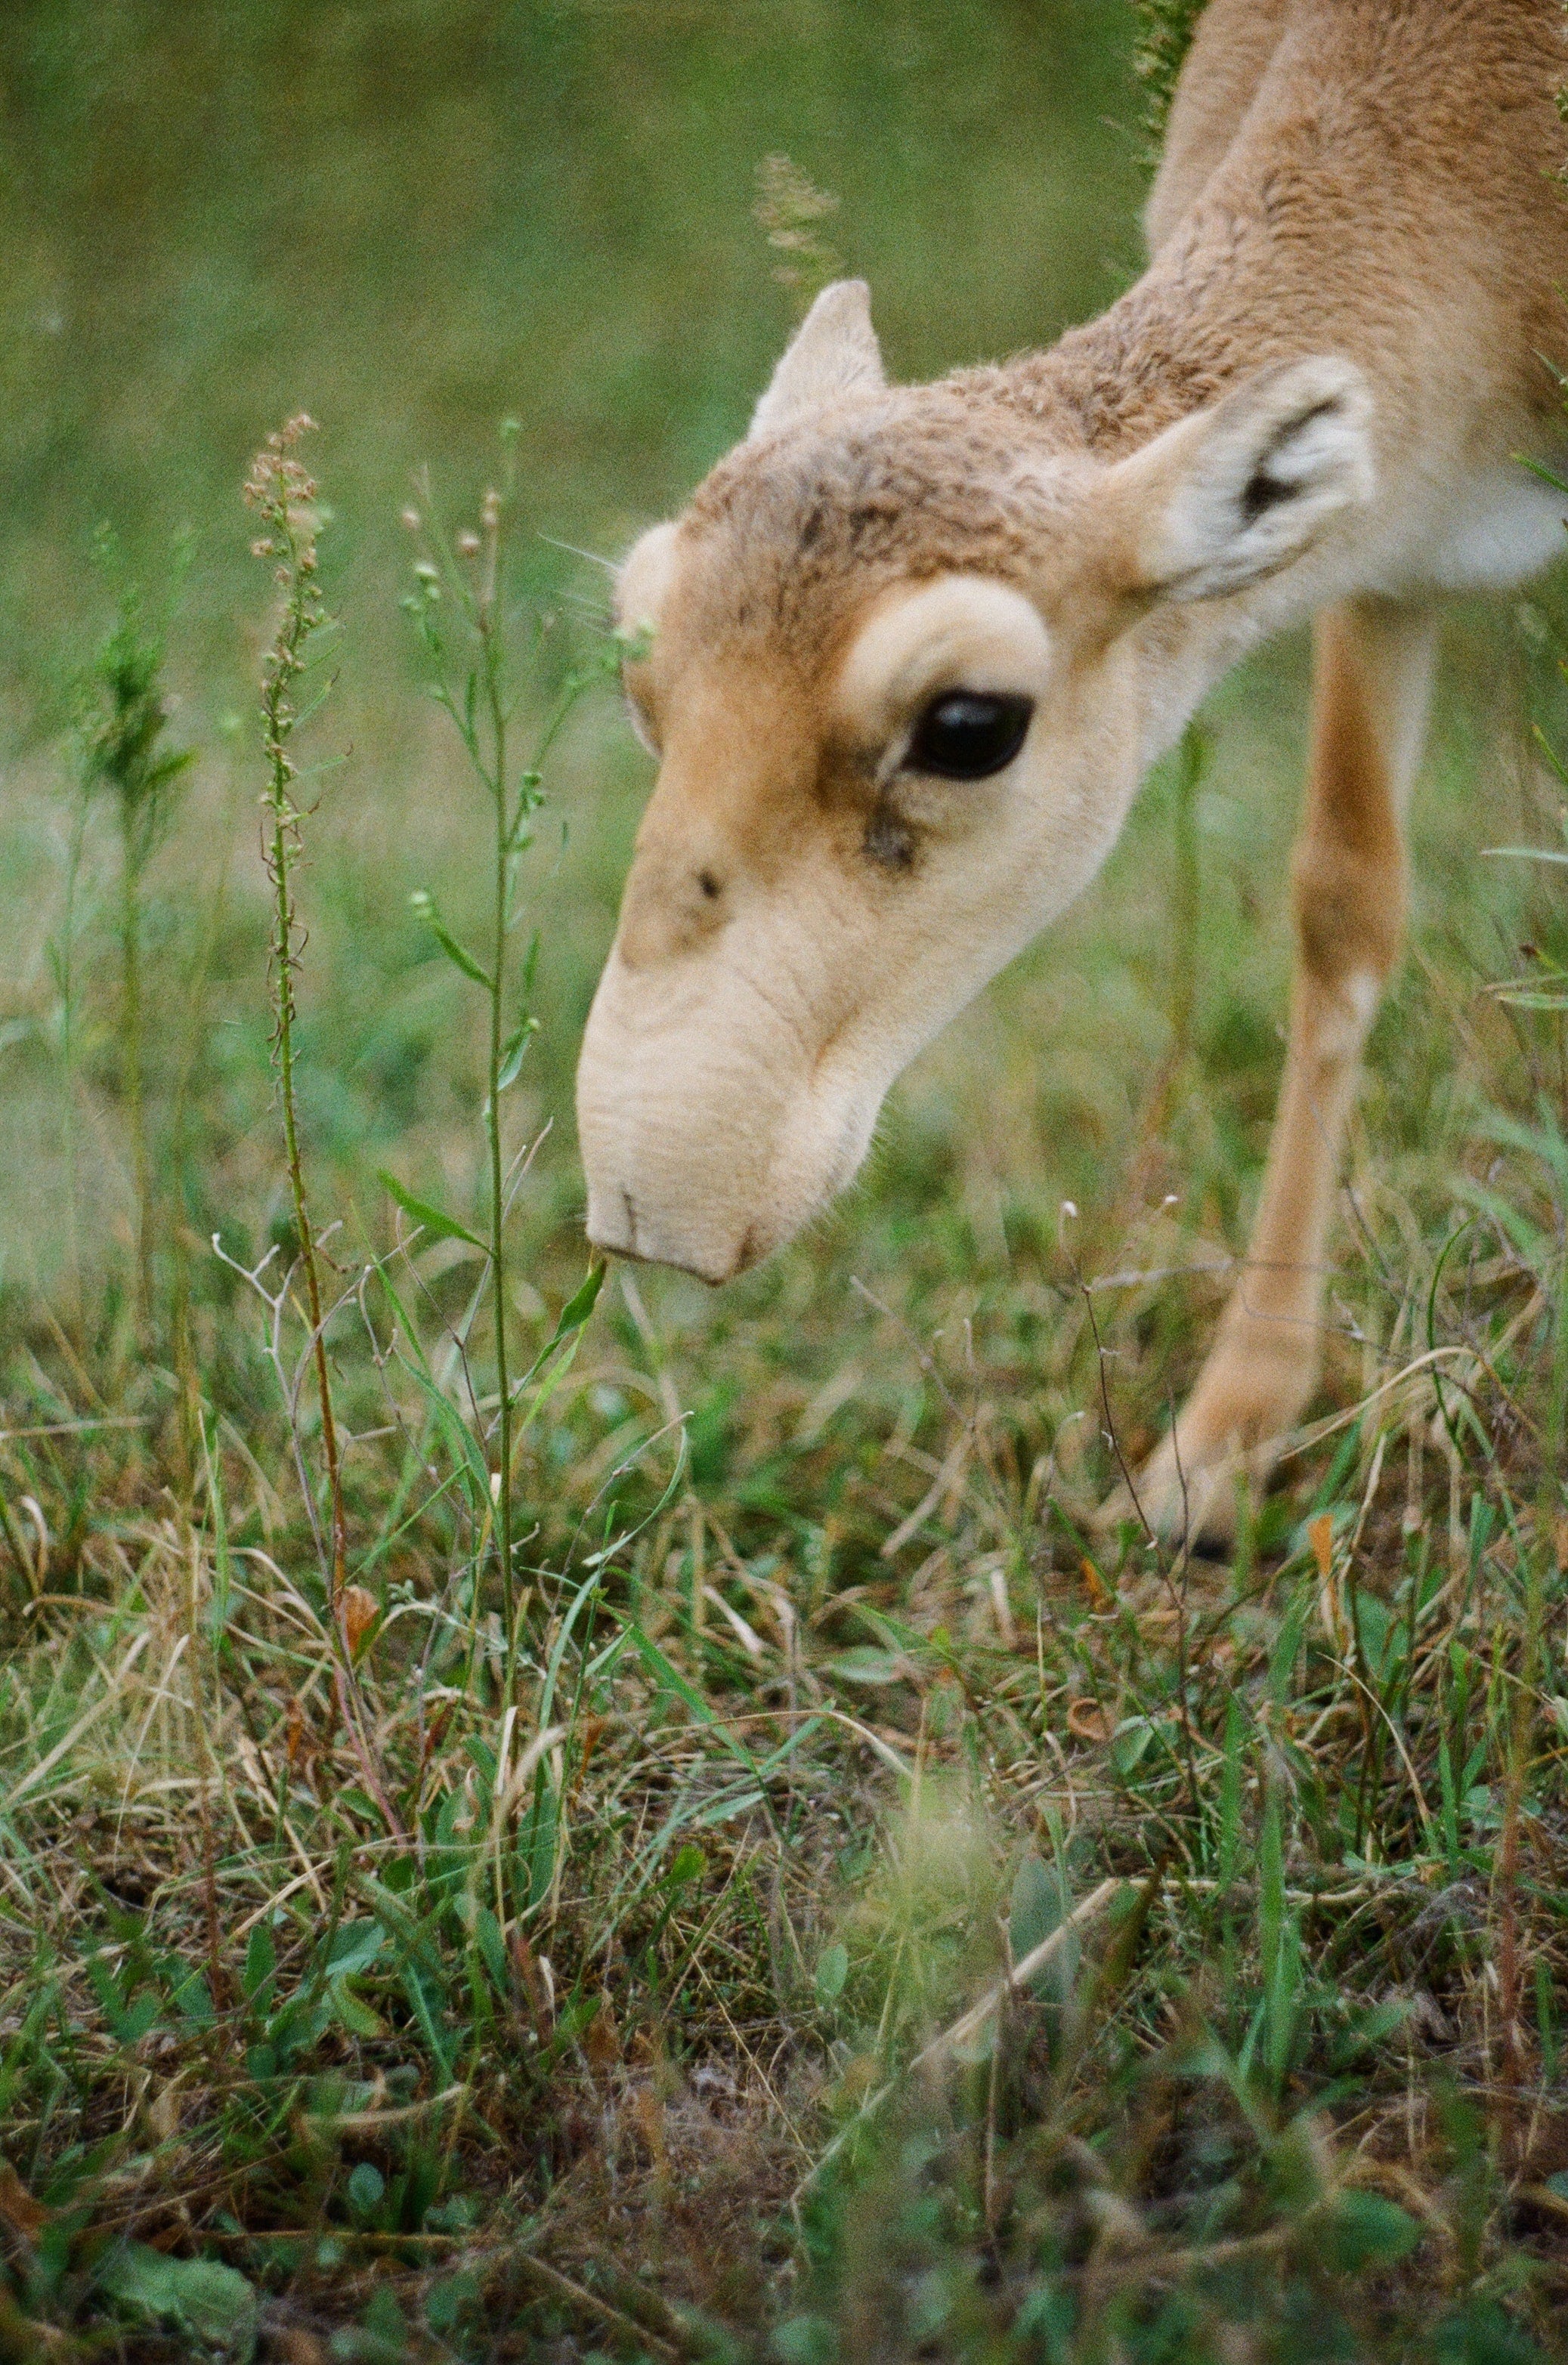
(910,650)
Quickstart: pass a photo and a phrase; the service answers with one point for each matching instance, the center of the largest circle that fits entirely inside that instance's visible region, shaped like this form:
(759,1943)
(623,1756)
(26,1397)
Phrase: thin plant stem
(279,488)
(131,1053)
(481,713)
(283,843)
(492,659)
(124,716)
(182,1157)
(65,976)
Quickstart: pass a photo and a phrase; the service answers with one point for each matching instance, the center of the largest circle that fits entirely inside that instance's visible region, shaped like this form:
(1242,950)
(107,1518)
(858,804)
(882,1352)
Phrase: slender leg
(1371,684)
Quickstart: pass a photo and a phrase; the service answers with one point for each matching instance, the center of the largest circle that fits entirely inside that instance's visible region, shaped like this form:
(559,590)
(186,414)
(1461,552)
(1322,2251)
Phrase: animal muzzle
(705,1143)
(654,1234)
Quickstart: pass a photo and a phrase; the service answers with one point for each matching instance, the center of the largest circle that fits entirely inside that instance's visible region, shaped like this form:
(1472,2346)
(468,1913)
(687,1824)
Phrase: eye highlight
(968,735)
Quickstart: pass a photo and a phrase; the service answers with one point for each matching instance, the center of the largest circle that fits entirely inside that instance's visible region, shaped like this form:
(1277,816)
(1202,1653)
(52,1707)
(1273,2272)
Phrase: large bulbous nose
(673,1119)
(658,1235)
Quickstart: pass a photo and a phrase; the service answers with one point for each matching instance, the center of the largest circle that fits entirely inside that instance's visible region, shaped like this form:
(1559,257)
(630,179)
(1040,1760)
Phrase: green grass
(1165,35)
(377,1984)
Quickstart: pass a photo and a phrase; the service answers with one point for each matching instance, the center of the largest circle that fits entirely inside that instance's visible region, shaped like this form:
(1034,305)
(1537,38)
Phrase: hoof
(1191,1507)
(1189,1492)
(1226,1442)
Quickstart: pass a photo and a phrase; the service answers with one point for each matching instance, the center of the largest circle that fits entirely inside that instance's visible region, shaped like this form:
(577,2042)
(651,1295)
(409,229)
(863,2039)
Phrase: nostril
(631,1219)
(710,885)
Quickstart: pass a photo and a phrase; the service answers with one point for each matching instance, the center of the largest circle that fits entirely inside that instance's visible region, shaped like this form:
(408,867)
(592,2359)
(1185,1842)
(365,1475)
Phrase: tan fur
(1311,402)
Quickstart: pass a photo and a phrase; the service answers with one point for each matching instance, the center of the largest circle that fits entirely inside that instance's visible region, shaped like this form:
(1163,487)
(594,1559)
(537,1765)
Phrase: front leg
(1371,684)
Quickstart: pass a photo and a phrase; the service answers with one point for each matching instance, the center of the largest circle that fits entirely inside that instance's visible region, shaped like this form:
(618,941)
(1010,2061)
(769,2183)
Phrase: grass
(1165,33)
(620,1976)
(388,1970)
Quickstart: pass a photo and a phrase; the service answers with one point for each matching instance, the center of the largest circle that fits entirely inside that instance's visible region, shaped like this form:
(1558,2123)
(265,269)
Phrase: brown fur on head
(811,899)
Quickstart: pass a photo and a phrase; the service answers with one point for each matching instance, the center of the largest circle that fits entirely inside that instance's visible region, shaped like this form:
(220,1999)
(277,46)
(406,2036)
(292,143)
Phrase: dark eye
(968,734)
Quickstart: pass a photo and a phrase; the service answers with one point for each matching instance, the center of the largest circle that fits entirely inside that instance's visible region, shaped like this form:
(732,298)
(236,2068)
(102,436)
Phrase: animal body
(909,651)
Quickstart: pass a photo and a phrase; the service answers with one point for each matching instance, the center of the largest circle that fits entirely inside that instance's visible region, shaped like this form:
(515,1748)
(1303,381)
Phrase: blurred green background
(415,218)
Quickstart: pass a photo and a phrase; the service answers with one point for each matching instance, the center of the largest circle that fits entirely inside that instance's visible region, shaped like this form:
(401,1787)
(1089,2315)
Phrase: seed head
(789,207)
(281,488)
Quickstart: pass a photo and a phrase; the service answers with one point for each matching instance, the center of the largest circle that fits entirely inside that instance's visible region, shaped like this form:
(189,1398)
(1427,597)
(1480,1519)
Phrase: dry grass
(600,2032)
(381,1982)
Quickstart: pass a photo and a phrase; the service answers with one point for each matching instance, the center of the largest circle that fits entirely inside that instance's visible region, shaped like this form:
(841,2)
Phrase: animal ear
(1223,498)
(643,581)
(834,351)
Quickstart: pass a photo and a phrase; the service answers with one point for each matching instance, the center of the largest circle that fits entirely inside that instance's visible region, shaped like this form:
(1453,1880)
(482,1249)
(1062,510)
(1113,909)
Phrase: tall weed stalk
(472,682)
(123,714)
(283,495)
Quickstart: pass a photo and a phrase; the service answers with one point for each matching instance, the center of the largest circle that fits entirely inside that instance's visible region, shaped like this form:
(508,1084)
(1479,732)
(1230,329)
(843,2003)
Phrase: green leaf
(440,1227)
(1536,1000)
(352,2011)
(423,905)
(580,1304)
(577,2014)
(222,1568)
(1367,2230)
(862,1664)
(261,1961)
(584,1593)
(1036,1907)
(572,1315)
(1538,468)
(382,2335)
(459,1438)
(832,1969)
(192,1999)
(1551,754)
(350,1799)
(447,2301)
(690,1865)
(511,1053)
(738,1801)
(131,2025)
(365,2188)
(804,2340)
(1039,1900)
(492,1947)
(355,1947)
(207,2303)
(1130,1742)
(1373,2027)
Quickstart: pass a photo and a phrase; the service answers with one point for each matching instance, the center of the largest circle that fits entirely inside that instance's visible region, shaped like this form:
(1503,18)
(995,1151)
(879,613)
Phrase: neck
(1178,341)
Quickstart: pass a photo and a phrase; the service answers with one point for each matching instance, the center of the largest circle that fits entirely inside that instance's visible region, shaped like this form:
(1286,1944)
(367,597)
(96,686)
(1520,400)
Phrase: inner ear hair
(1267,485)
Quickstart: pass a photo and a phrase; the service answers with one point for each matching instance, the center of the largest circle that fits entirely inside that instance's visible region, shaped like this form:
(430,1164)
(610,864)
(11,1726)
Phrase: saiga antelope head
(903,664)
